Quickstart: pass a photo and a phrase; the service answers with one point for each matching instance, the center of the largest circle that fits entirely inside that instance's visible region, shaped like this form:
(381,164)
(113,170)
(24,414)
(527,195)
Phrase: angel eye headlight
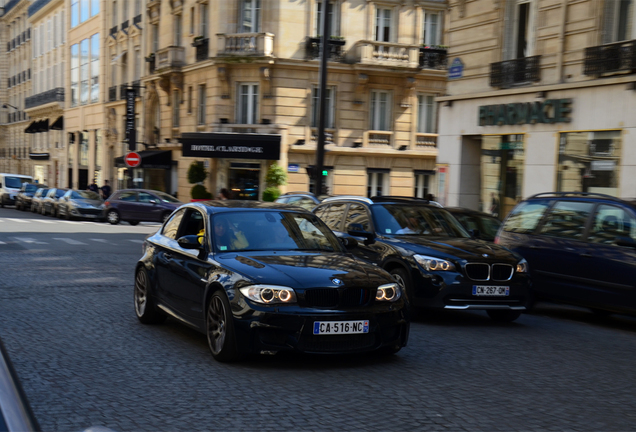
(269,294)
(522,266)
(388,292)
(434,264)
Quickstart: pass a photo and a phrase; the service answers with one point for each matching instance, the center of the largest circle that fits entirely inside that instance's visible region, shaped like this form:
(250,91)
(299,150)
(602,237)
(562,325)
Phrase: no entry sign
(132,159)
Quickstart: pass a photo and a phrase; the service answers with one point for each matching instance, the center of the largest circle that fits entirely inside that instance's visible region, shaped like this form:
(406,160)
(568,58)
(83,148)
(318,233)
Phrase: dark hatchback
(25,196)
(581,248)
(136,205)
(480,225)
(263,278)
(426,249)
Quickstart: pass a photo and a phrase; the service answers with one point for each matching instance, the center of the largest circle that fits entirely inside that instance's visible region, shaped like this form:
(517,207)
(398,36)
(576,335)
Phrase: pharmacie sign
(548,111)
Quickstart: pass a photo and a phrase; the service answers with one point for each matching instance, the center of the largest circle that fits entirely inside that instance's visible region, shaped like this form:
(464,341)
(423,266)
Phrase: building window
(380,110)
(247,104)
(383,26)
(74,13)
(155,38)
(502,168)
(202,101)
(250,16)
(332,15)
(204,20)
(617,21)
(422,183)
(519,29)
(175,108)
(137,7)
(432,31)
(95,68)
(190,97)
(124,11)
(49,39)
(83,156)
(74,75)
(589,162)
(425,114)
(113,71)
(177,30)
(377,182)
(137,70)
(114,15)
(191,20)
(94,7)
(85,9)
(315,105)
(84,70)
(55,31)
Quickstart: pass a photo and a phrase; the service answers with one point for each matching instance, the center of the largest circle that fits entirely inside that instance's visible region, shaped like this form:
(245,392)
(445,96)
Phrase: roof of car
(219,206)
(139,190)
(383,199)
(588,195)
(468,211)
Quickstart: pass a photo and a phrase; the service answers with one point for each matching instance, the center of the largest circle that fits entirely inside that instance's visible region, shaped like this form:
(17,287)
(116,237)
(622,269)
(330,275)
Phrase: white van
(10,185)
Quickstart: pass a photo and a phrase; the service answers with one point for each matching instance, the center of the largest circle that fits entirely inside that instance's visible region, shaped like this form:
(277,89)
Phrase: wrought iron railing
(112,94)
(202,47)
(433,58)
(610,58)
(314,49)
(122,91)
(515,72)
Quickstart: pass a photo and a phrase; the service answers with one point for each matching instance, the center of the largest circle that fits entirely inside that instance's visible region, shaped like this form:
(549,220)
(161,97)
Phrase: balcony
(610,58)
(433,58)
(137,86)
(387,54)
(379,139)
(245,44)
(112,94)
(313,49)
(202,49)
(425,140)
(122,91)
(515,72)
(151,63)
(172,57)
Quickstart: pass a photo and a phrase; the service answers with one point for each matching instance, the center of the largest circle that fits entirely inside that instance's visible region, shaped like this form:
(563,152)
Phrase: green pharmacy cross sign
(548,111)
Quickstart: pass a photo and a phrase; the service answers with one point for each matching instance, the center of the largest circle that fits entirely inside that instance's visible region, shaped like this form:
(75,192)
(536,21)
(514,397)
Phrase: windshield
(59,192)
(265,231)
(15,182)
(87,195)
(167,198)
(30,188)
(417,220)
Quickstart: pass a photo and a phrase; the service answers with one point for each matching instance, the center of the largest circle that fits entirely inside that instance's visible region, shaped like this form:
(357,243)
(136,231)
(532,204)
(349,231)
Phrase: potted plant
(196,176)
(275,177)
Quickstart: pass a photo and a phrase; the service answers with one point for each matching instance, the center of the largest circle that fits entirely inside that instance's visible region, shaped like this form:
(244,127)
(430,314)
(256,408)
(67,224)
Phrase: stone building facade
(540,101)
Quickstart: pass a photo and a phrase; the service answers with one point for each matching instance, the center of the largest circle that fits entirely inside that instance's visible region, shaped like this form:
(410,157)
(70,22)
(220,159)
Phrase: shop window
(422,183)
(589,162)
(377,182)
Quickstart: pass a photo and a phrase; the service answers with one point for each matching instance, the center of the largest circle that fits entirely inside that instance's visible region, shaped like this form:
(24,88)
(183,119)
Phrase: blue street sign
(292,168)
(456,69)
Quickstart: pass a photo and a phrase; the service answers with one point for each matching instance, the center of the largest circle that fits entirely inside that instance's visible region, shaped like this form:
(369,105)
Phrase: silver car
(76,204)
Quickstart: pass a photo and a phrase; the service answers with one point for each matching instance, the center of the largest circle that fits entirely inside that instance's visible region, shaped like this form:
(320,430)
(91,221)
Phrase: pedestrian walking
(105,190)
(224,194)
(93,187)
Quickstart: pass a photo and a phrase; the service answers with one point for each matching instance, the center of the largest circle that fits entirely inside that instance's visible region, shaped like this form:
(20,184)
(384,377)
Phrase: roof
(383,200)
(220,206)
(468,211)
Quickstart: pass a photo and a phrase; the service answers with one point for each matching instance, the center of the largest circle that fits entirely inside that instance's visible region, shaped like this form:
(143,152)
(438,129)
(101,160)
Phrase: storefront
(154,172)
(502,149)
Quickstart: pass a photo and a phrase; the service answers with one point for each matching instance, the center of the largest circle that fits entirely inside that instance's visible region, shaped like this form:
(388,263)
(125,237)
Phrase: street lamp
(6,105)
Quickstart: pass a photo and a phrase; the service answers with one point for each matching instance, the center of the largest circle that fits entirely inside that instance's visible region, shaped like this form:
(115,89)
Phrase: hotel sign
(548,111)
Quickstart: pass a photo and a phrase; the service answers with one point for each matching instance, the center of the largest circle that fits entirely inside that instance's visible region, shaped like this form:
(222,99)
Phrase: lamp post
(322,98)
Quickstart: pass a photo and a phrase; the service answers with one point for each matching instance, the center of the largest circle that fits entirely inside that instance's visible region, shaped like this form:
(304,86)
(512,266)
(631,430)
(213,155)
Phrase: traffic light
(325,173)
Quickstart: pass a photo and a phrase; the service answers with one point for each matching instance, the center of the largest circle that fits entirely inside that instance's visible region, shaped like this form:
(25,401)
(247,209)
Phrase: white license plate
(341,327)
(486,290)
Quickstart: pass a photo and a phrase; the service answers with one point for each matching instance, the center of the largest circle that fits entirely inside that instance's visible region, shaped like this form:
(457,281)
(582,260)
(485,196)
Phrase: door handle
(168,256)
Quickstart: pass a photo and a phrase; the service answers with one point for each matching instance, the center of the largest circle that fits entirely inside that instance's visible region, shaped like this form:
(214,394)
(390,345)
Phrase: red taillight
(106,203)
(496,239)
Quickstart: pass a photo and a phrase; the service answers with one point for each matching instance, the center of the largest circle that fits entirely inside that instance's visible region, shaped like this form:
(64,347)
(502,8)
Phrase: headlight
(389,292)
(434,264)
(269,294)
(522,266)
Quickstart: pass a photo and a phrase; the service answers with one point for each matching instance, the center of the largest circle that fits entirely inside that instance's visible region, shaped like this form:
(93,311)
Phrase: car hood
(94,203)
(459,248)
(305,270)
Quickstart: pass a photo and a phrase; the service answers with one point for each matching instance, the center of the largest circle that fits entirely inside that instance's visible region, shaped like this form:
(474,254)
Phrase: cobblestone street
(84,360)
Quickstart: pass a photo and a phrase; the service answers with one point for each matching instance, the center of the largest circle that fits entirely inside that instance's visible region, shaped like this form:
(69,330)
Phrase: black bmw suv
(425,249)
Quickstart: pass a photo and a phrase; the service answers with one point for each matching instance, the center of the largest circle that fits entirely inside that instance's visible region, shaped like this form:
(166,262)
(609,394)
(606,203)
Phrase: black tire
(67,215)
(112,216)
(133,223)
(503,315)
(402,277)
(219,329)
(145,307)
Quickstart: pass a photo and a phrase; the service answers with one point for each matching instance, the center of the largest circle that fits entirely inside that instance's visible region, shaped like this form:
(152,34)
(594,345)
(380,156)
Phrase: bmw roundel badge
(485,255)
(336,281)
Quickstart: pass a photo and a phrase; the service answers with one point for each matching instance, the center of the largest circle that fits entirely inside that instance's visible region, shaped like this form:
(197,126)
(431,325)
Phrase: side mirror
(357,230)
(474,233)
(153,201)
(348,242)
(625,241)
(190,242)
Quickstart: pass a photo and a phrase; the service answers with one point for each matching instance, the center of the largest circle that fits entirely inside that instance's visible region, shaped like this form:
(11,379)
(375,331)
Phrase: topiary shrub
(196,175)
(271,193)
(275,177)
(199,192)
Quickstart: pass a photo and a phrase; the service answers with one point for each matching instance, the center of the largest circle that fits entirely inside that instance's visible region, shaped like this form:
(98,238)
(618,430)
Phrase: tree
(196,175)
(275,177)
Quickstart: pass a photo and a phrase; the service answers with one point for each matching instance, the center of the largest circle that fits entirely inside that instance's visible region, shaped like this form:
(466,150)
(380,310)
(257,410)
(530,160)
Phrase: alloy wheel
(399,280)
(217,330)
(112,217)
(141,293)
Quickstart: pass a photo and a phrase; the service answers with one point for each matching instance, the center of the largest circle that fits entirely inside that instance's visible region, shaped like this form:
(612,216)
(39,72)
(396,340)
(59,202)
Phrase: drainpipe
(560,54)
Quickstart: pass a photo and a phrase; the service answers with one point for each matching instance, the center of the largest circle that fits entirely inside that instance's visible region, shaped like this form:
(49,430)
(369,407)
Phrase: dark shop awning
(159,159)
(231,145)
(39,156)
(43,126)
(58,124)
(31,127)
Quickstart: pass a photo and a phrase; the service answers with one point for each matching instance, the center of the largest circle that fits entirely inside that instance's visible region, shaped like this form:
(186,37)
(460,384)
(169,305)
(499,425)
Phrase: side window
(567,219)
(468,222)
(357,214)
(526,216)
(611,222)
(304,202)
(171,227)
(128,196)
(145,197)
(334,217)
(192,223)
(321,211)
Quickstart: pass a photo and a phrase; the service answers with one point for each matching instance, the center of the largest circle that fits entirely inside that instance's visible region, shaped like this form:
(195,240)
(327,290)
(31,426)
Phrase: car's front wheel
(145,306)
(503,315)
(402,278)
(220,329)
(112,217)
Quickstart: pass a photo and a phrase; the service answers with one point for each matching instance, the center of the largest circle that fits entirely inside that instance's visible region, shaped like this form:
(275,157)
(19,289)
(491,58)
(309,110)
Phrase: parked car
(49,204)
(478,224)
(306,200)
(427,250)
(135,205)
(10,185)
(581,248)
(80,204)
(38,197)
(264,277)
(25,196)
